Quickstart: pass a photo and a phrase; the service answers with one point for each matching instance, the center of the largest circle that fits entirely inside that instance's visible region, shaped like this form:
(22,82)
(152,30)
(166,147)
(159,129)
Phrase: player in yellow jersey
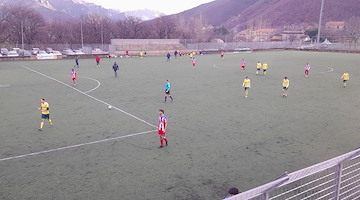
(246,85)
(45,113)
(258,67)
(345,77)
(286,83)
(264,68)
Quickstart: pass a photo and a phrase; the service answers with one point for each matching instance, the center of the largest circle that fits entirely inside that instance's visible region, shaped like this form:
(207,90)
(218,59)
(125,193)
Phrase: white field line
(5,85)
(94,98)
(331,70)
(98,82)
(73,146)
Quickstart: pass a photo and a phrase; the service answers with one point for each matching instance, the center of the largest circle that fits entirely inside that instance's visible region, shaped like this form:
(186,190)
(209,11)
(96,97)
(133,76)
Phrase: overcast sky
(164,6)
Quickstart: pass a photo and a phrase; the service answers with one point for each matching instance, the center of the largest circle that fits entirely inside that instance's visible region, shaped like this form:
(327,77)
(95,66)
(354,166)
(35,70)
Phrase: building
(244,35)
(264,34)
(335,25)
(293,36)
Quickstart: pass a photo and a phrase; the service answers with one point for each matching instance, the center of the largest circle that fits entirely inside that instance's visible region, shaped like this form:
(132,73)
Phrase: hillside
(63,9)
(218,12)
(237,14)
(279,13)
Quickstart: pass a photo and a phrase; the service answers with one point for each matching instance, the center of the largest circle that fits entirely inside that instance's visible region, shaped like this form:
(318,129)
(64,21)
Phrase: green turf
(217,138)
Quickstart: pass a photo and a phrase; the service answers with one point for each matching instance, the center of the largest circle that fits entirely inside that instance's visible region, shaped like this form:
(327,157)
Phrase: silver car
(4,51)
(78,52)
(57,53)
(35,51)
(12,54)
(68,52)
(49,50)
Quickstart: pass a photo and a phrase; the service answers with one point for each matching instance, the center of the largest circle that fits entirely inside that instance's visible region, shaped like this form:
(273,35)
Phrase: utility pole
(22,35)
(102,37)
(82,36)
(320,21)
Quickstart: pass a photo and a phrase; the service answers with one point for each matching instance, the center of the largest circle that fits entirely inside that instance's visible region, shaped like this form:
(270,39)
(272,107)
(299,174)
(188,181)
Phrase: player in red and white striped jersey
(307,69)
(73,76)
(162,128)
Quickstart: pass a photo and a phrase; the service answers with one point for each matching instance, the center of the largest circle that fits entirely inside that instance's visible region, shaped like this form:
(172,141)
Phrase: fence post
(338,181)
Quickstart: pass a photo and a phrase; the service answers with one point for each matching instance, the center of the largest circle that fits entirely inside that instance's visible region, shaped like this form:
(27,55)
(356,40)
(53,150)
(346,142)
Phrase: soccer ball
(110,107)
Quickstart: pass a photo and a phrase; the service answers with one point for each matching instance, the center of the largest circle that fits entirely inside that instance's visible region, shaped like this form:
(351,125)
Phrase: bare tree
(21,20)
(163,27)
(3,24)
(134,26)
(353,29)
(60,32)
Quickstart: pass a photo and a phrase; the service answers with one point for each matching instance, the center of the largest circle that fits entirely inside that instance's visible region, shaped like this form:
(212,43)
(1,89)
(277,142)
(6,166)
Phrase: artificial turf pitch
(217,138)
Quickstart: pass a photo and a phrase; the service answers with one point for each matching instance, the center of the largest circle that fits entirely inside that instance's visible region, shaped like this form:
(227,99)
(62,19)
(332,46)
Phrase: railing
(335,179)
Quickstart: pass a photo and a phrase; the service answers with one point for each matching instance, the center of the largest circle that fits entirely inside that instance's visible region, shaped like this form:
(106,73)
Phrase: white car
(4,51)
(97,51)
(16,49)
(35,51)
(42,52)
(68,52)
(49,50)
(57,53)
(12,54)
(78,52)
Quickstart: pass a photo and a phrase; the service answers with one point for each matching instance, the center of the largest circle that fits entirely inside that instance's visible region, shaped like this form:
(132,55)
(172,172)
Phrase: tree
(312,33)
(163,27)
(353,29)
(3,24)
(60,32)
(26,21)
(134,26)
(221,30)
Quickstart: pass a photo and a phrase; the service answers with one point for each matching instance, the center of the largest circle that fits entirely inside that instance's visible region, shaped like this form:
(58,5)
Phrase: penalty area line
(73,146)
(94,98)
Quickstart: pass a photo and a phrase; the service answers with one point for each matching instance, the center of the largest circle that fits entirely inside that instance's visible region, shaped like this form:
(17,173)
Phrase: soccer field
(217,138)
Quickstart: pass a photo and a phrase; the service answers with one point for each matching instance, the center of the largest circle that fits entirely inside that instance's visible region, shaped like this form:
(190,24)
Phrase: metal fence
(335,179)
(271,45)
(58,47)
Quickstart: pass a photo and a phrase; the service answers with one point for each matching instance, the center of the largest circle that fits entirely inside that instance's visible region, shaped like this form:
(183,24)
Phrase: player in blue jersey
(167,90)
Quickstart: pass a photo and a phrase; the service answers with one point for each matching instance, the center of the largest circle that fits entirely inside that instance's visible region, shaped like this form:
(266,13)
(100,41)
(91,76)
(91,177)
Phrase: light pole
(22,35)
(320,21)
(102,37)
(82,36)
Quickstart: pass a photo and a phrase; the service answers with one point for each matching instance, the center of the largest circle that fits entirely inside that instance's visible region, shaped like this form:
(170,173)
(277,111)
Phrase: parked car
(16,49)
(12,54)
(97,51)
(23,52)
(57,53)
(42,52)
(4,51)
(35,51)
(68,52)
(78,52)
(49,50)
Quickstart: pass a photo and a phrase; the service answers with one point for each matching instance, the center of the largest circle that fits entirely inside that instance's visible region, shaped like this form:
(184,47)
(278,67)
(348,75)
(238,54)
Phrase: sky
(164,6)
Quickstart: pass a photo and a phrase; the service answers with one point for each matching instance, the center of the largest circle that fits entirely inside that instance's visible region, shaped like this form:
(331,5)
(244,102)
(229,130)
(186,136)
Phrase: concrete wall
(148,45)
